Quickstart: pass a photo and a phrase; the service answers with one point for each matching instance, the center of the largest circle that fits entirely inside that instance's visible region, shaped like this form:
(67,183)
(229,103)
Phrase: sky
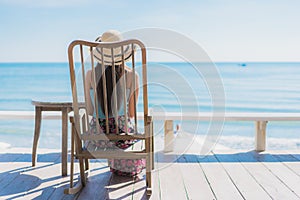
(228,30)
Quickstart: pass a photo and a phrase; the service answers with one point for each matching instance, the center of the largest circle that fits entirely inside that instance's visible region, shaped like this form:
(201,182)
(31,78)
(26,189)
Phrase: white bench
(260,120)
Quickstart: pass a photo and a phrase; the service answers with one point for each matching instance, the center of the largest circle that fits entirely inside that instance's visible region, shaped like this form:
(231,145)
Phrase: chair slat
(95,88)
(84,85)
(134,87)
(145,82)
(104,91)
(114,107)
(125,88)
(74,90)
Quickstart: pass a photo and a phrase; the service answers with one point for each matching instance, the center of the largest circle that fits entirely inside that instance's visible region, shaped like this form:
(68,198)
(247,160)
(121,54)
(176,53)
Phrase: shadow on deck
(250,156)
(19,179)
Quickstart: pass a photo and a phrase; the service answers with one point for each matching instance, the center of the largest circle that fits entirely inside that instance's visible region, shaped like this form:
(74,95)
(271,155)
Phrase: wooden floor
(223,174)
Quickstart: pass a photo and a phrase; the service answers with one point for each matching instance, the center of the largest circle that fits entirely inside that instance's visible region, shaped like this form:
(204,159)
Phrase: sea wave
(4,145)
(242,142)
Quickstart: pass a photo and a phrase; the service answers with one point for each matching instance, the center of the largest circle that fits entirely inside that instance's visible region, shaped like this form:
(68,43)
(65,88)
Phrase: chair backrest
(137,47)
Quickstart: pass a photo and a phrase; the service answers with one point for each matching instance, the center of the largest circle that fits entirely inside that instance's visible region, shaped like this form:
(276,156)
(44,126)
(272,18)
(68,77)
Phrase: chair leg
(149,157)
(152,146)
(64,141)
(73,189)
(87,165)
(82,172)
(72,159)
(37,129)
(148,175)
(83,175)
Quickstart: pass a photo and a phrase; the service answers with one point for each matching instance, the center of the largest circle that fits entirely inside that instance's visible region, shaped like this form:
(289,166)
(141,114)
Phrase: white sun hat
(112,36)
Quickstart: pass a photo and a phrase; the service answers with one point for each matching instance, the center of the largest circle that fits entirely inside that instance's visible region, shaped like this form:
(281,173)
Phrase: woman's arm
(88,86)
(131,100)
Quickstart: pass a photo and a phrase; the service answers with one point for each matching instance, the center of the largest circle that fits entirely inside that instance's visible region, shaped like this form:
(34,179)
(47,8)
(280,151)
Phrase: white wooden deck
(223,174)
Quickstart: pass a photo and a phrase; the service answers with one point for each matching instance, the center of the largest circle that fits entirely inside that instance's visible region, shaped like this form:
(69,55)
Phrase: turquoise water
(256,87)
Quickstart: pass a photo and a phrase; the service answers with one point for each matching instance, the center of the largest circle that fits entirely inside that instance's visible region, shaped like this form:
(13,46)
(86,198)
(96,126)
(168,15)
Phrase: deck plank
(222,175)
(11,167)
(19,186)
(9,157)
(240,176)
(12,173)
(139,187)
(58,193)
(30,182)
(97,181)
(156,192)
(50,182)
(289,159)
(274,186)
(9,172)
(295,154)
(170,177)
(120,187)
(47,182)
(194,179)
(282,172)
(220,182)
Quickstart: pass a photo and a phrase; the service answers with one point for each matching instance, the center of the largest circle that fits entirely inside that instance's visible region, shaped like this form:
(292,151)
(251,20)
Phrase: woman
(126,167)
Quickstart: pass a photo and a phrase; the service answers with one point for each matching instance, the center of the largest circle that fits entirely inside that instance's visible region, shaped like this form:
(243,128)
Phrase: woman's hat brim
(106,54)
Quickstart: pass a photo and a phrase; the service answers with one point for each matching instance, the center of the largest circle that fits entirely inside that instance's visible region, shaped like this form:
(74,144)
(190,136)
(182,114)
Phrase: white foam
(4,145)
(242,142)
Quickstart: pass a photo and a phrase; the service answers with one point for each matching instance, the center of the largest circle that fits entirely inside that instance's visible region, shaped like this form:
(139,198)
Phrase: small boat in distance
(242,64)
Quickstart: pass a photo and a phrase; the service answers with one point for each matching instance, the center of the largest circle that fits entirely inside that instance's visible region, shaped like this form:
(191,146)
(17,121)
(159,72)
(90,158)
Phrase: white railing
(260,120)
(12,115)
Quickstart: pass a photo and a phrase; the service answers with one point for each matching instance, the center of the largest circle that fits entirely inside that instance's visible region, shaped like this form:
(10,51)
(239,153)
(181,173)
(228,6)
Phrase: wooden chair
(80,120)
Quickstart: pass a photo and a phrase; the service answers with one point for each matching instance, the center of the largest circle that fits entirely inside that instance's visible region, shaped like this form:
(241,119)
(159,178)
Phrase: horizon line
(19,62)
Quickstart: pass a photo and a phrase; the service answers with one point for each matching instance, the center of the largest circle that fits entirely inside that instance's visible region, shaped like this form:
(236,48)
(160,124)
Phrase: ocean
(173,87)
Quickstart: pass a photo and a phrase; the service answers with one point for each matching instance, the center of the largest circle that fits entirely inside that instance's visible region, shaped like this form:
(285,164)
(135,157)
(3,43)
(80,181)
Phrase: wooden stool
(65,108)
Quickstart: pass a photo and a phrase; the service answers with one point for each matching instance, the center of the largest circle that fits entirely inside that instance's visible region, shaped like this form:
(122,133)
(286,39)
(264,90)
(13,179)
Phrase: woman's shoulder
(129,76)
(88,78)
(129,72)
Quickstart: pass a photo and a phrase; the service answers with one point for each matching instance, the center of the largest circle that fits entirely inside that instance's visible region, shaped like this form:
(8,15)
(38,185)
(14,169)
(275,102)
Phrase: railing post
(260,135)
(169,136)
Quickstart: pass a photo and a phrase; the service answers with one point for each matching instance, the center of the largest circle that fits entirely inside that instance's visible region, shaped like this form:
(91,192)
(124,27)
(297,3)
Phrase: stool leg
(64,146)
(37,129)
